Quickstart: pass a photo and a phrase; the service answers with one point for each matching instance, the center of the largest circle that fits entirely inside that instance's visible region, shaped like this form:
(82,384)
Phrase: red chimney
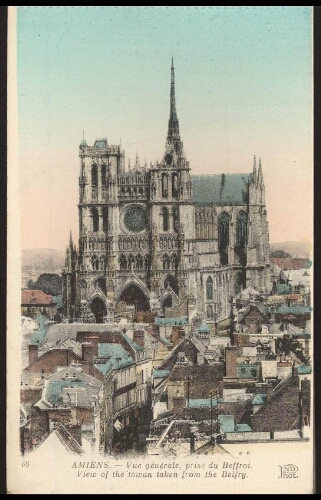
(139,337)
(230,362)
(88,354)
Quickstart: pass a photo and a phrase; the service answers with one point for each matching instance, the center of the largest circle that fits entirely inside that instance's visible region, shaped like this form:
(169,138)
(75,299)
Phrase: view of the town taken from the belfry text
(165,296)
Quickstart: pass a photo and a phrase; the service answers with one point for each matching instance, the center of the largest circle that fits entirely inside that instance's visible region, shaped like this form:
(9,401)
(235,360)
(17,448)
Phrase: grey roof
(223,189)
(100,143)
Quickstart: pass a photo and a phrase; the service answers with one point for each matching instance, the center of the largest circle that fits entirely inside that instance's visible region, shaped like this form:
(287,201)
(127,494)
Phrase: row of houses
(96,383)
(112,388)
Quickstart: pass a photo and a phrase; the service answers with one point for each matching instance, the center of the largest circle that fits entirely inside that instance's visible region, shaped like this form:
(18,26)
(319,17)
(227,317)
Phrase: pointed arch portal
(98,308)
(133,295)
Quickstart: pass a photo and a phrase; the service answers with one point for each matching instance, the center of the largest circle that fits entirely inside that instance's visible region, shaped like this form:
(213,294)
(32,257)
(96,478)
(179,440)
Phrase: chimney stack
(33,353)
(88,353)
(139,337)
(230,362)
(178,333)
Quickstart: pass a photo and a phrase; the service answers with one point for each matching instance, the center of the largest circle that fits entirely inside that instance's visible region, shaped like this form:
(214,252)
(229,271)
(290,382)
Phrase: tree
(287,344)
(48,283)
(281,254)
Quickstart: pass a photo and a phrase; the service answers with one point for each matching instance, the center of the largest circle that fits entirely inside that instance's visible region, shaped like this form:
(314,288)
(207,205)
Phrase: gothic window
(165,219)
(241,223)
(105,220)
(166,262)
(209,288)
(146,262)
(94,176)
(164,185)
(103,175)
(223,236)
(209,312)
(135,219)
(95,217)
(174,186)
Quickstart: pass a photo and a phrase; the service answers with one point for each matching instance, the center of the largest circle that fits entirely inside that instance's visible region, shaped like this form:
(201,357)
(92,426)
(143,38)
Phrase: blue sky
(243,87)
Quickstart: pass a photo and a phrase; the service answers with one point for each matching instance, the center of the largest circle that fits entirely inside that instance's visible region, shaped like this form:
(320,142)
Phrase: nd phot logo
(289,471)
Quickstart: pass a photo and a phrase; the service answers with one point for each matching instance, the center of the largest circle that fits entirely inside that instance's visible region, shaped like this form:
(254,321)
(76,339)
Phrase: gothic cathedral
(161,239)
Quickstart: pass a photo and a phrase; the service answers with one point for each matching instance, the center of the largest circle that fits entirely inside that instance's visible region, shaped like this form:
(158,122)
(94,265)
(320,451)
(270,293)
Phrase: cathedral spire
(260,173)
(137,162)
(254,169)
(173,125)
(71,245)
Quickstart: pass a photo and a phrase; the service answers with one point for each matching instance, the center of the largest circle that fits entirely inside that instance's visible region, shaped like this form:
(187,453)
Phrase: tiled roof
(116,357)
(204,328)
(161,373)
(77,396)
(224,189)
(172,321)
(259,399)
(55,389)
(100,143)
(69,344)
(69,378)
(281,412)
(303,369)
(227,423)
(202,403)
(243,428)
(35,298)
(38,337)
(67,439)
(203,378)
(132,344)
(291,310)
(112,351)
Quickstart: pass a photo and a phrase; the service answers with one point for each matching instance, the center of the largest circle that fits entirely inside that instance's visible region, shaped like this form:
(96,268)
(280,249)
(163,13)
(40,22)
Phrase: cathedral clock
(135,219)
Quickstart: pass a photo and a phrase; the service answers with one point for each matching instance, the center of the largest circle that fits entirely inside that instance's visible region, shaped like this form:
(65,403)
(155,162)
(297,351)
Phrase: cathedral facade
(160,238)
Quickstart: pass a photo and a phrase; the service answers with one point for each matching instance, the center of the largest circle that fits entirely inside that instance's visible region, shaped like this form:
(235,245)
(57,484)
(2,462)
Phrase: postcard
(160,242)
